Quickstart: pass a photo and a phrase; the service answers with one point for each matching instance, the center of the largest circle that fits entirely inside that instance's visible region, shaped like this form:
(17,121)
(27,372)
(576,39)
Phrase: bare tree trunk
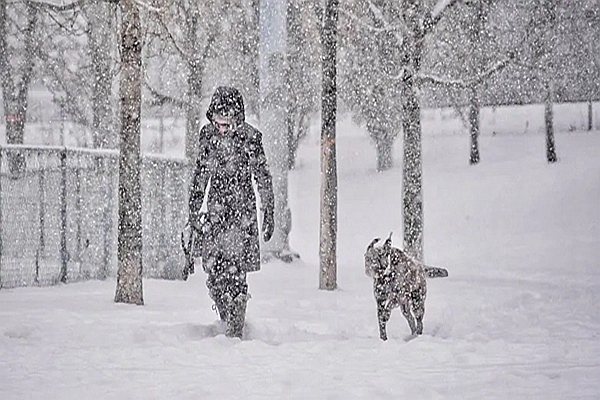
(99,41)
(129,275)
(297,111)
(412,177)
(477,17)
(548,119)
(541,32)
(412,171)
(474,124)
(193,112)
(15,96)
(590,116)
(5,73)
(328,227)
(384,146)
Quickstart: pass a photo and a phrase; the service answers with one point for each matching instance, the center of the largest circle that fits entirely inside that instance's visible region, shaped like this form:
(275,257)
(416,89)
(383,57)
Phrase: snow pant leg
(237,317)
(226,282)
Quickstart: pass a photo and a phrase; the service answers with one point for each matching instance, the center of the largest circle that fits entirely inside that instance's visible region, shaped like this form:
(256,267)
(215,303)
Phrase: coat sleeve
(200,177)
(260,171)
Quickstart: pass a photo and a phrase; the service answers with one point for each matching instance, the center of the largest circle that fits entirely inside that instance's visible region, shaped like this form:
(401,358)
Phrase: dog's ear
(372,244)
(371,258)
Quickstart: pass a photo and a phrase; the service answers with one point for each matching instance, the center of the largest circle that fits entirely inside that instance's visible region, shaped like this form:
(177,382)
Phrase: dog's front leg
(418,308)
(383,316)
(419,312)
(405,308)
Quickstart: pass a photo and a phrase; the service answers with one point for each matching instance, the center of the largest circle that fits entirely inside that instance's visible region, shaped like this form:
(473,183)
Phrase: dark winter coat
(226,164)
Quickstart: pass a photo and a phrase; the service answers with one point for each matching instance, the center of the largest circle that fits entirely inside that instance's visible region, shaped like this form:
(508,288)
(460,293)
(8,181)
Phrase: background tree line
(190,47)
(393,58)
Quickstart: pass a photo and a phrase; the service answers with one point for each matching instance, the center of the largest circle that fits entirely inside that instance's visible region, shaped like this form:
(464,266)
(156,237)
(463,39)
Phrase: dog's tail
(435,272)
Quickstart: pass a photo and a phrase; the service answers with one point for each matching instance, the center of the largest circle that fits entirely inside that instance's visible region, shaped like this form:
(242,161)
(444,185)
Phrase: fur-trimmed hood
(227,101)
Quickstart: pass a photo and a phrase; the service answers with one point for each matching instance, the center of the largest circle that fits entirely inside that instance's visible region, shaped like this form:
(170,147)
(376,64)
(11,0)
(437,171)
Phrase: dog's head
(377,258)
(372,258)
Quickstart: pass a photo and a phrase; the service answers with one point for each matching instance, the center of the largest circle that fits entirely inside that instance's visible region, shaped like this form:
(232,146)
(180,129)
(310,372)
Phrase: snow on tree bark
(195,64)
(328,226)
(419,23)
(412,190)
(476,19)
(474,124)
(549,124)
(129,253)
(542,35)
(302,63)
(15,95)
(99,26)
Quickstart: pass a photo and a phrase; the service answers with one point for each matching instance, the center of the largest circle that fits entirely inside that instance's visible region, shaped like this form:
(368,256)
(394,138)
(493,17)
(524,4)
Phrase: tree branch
(59,8)
(160,99)
(70,103)
(432,19)
(362,23)
(378,14)
(147,6)
(465,83)
(31,47)
(181,51)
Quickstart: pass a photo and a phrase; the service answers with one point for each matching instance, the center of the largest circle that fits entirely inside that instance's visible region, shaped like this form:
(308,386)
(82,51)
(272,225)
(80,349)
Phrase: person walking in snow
(230,155)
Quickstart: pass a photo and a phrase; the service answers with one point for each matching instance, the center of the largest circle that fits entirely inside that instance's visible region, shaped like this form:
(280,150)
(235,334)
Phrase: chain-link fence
(59,216)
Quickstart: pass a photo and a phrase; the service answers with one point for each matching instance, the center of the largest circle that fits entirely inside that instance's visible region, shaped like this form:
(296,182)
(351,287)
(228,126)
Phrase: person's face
(222,124)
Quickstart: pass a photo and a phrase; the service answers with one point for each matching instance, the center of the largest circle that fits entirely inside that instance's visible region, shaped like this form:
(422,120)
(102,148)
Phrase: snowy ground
(518,318)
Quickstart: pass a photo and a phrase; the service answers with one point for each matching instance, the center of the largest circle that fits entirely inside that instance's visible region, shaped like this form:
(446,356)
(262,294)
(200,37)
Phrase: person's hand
(268,225)
(197,222)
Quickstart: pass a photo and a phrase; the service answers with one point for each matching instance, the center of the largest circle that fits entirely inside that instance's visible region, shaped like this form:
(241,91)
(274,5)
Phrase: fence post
(42,216)
(107,226)
(63,216)
(163,226)
(78,213)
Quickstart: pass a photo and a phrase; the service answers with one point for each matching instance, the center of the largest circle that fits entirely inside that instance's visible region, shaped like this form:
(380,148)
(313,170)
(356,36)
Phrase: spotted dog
(398,281)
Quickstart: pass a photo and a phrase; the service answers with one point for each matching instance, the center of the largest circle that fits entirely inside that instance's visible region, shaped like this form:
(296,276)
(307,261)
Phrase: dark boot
(221,310)
(222,302)
(237,316)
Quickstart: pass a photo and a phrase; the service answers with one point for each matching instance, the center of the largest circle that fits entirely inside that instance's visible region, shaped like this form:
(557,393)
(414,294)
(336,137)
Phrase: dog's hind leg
(405,308)
(419,312)
(383,316)
(418,308)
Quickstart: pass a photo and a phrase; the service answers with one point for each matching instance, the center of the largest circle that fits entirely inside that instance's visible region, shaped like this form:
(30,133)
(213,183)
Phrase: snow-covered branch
(160,99)
(147,6)
(378,14)
(78,3)
(464,83)
(58,7)
(400,75)
(440,7)
(361,22)
(436,15)
(184,54)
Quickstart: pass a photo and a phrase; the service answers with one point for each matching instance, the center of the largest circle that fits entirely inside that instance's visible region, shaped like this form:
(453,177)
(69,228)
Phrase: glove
(197,222)
(268,225)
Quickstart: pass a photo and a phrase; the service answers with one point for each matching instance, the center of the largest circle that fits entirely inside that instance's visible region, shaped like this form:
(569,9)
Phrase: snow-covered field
(518,318)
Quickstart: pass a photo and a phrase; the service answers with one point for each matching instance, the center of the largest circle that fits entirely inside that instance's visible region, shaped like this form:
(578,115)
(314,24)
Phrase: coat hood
(227,101)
